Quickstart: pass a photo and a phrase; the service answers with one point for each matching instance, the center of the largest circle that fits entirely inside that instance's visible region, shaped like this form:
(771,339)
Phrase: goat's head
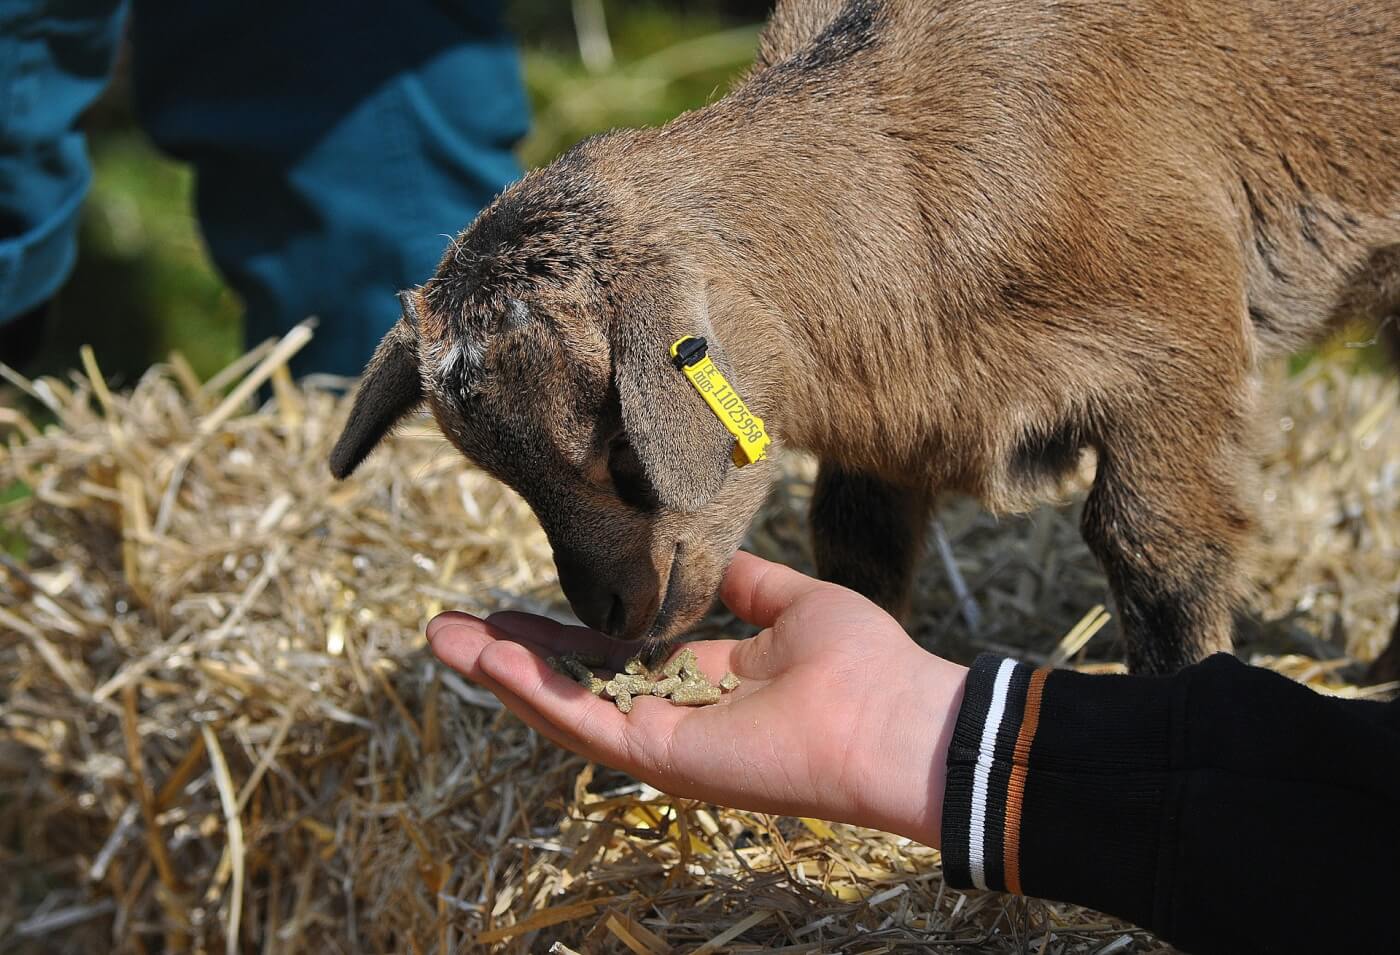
(541,346)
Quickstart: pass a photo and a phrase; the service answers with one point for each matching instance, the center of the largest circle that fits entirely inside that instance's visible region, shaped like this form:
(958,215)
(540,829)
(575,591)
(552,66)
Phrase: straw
(223,730)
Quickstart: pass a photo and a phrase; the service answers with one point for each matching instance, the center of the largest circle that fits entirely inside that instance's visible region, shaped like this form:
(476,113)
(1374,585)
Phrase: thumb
(758,590)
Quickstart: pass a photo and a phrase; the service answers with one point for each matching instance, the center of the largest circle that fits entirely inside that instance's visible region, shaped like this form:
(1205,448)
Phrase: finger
(548,637)
(458,639)
(574,717)
(522,680)
(561,638)
(758,590)
(642,743)
(532,718)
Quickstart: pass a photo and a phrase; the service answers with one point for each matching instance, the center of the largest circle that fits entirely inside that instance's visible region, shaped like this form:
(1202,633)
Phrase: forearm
(1208,806)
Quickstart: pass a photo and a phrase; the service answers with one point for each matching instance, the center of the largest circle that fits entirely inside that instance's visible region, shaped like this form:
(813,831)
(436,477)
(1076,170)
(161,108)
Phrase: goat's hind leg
(1166,520)
(867,534)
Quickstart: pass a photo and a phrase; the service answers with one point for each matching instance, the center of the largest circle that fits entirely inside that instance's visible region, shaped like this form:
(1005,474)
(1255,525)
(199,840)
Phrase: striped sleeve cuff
(1057,786)
(987,765)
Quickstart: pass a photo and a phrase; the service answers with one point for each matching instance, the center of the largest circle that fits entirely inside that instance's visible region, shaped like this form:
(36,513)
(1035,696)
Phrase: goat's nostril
(617,617)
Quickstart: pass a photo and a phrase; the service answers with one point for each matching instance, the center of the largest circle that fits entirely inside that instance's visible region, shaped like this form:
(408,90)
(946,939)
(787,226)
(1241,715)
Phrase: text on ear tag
(751,441)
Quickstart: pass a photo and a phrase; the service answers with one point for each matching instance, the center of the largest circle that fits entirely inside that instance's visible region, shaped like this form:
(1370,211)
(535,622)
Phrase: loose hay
(222,727)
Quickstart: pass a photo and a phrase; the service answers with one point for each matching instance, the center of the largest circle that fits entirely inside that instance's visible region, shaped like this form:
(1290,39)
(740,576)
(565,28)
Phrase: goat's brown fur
(945,246)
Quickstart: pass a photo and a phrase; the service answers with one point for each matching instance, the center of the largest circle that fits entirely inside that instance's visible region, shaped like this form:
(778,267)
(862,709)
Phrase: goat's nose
(594,603)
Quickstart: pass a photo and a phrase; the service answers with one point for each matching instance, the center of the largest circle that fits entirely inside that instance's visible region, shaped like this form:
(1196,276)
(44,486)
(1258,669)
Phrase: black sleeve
(1226,808)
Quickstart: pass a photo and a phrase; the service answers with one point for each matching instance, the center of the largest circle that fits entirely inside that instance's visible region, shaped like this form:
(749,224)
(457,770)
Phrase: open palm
(839,715)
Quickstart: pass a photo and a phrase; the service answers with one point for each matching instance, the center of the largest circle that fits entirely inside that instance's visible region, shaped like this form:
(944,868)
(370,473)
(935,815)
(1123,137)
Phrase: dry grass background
(222,729)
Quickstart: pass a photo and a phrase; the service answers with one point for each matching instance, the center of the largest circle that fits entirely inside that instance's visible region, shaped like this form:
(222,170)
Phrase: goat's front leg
(867,534)
(1166,520)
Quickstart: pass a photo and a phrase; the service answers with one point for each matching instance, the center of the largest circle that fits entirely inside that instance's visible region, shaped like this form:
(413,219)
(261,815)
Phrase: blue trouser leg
(335,146)
(55,58)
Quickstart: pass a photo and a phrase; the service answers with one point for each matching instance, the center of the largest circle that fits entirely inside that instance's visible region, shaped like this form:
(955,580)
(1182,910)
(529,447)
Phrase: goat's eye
(628,476)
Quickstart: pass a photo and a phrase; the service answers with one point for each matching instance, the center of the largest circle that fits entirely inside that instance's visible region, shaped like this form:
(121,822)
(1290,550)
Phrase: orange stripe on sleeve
(1016,786)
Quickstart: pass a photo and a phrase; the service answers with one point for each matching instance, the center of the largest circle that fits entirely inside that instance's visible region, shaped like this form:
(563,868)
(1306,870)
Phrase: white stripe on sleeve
(986,749)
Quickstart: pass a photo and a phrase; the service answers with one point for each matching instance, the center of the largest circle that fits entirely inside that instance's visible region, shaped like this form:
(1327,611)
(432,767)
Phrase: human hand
(840,715)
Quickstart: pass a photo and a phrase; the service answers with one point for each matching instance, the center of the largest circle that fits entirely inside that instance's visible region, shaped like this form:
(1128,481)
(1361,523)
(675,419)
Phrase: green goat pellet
(681,680)
(695,693)
(665,687)
(682,664)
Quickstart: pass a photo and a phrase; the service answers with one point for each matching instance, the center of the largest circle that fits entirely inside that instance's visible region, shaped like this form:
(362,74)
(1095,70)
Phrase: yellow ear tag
(691,356)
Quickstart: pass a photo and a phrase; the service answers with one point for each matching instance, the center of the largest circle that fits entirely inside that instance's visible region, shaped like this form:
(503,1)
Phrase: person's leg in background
(55,59)
(335,147)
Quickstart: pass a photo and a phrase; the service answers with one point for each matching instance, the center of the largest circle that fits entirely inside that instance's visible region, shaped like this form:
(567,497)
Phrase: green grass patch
(12,542)
(1356,348)
(664,64)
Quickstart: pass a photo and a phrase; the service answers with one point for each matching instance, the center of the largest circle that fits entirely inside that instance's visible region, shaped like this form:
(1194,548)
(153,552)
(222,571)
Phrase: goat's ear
(408,301)
(683,448)
(389,390)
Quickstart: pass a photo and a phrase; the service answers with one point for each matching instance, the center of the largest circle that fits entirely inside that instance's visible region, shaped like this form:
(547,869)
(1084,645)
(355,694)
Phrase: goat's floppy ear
(683,448)
(389,390)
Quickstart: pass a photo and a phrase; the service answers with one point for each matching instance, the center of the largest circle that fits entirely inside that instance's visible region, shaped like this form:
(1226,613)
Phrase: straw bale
(222,728)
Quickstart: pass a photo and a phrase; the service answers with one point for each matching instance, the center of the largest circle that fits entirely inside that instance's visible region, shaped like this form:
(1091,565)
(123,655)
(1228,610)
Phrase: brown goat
(944,246)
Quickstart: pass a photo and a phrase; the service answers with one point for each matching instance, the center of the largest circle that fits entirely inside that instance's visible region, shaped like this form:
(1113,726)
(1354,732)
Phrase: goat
(943,245)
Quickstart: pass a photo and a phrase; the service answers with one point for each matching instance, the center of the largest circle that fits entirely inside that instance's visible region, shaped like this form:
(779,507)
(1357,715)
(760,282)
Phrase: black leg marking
(868,534)
(1174,576)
